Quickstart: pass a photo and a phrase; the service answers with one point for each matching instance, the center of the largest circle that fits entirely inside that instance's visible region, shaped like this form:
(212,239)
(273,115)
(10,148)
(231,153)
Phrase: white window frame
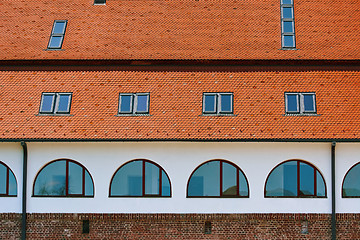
(55,103)
(62,35)
(217,103)
(300,103)
(134,103)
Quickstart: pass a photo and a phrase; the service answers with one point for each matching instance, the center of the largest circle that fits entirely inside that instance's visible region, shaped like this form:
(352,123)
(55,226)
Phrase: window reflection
(63,178)
(140,178)
(295,179)
(217,178)
(351,184)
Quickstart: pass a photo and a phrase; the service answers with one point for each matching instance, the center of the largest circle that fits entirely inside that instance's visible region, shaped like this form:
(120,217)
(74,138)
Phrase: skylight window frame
(134,104)
(283,19)
(55,103)
(217,104)
(300,103)
(62,35)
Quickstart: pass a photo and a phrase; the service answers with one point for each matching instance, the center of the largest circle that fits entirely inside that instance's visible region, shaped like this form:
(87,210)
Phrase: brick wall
(180,226)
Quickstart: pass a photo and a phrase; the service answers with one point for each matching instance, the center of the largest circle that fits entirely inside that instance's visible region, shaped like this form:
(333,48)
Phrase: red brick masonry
(180,226)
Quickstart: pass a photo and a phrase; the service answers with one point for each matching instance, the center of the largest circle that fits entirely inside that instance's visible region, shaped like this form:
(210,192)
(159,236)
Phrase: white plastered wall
(12,155)
(179,159)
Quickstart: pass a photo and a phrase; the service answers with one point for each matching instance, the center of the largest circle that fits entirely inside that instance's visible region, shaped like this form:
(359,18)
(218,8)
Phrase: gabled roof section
(179,29)
(176,105)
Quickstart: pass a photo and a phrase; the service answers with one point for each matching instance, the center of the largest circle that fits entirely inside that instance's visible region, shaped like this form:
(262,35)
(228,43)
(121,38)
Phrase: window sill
(49,196)
(54,49)
(132,114)
(55,114)
(217,196)
(295,197)
(219,114)
(301,114)
(149,196)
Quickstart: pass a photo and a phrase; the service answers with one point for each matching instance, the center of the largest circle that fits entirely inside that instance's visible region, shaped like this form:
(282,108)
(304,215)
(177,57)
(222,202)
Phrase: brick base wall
(180,226)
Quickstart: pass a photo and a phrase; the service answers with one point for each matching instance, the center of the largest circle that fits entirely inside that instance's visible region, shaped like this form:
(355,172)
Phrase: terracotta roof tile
(153,29)
(176,105)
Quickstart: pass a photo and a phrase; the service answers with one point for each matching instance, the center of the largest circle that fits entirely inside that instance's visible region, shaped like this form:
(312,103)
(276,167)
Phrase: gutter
(23,214)
(333,196)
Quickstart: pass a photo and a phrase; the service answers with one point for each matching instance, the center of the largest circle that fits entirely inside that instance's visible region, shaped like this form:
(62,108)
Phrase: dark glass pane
(307,177)
(75,178)
(47,103)
(287,12)
(286,1)
(3,177)
(142,103)
(209,102)
(243,188)
(288,27)
(59,28)
(205,181)
(99,1)
(229,187)
(89,186)
(55,41)
(283,180)
(289,41)
(165,184)
(128,180)
(64,103)
(309,103)
(126,103)
(226,102)
(151,179)
(12,184)
(51,180)
(351,186)
(320,185)
(292,103)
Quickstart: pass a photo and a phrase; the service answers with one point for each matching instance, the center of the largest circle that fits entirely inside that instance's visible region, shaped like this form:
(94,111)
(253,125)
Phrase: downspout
(23,216)
(333,211)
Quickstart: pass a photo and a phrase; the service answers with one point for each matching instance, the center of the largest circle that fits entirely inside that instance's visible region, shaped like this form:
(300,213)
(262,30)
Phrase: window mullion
(160,182)
(221,178)
(67,179)
(143,178)
(7,181)
(298,179)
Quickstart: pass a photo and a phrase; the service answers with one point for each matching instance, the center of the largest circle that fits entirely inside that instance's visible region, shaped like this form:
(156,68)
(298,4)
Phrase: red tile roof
(176,105)
(189,29)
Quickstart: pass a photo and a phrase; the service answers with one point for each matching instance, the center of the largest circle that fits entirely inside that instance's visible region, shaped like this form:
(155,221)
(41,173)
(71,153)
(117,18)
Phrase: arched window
(63,178)
(217,178)
(351,183)
(295,178)
(140,178)
(8,185)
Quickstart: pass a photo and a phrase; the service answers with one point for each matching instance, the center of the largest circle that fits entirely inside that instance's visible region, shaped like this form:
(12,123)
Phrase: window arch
(63,178)
(295,178)
(140,178)
(351,182)
(8,184)
(217,178)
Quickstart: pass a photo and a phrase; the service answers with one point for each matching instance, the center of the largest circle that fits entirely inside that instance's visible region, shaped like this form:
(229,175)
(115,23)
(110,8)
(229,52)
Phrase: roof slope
(179,29)
(176,105)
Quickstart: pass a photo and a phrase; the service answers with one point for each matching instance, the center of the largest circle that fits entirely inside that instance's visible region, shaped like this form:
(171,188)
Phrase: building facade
(179,120)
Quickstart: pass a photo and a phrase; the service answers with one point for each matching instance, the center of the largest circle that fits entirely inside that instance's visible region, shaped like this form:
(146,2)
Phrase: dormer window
(300,103)
(218,103)
(57,34)
(134,103)
(55,103)
(99,2)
